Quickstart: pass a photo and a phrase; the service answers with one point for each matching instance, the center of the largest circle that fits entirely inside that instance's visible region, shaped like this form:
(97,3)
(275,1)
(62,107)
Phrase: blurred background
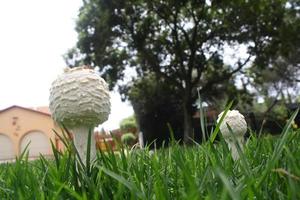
(169,64)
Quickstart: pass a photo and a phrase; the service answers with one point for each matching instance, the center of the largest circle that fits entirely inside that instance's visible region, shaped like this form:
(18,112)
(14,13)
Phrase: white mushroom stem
(233,146)
(80,135)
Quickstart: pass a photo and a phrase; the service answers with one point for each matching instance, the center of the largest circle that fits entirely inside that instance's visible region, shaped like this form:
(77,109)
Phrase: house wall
(17,122)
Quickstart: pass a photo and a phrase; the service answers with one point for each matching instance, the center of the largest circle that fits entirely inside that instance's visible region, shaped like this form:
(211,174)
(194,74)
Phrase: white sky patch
(34,35)
(231,56)
(233,53)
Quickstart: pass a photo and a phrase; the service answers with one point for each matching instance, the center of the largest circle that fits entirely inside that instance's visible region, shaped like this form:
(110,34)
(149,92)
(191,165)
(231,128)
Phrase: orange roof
(29,109)
(44,109)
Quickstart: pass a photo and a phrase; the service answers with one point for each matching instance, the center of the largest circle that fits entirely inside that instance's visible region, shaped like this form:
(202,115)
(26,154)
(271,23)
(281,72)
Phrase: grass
(269,169)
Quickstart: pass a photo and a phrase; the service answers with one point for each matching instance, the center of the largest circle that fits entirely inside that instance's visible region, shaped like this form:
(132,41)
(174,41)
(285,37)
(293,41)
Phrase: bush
(128,125)
(272,120)
(128,139)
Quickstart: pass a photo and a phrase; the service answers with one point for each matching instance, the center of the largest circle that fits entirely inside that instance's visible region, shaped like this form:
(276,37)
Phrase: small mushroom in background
(79,99)
(238,125)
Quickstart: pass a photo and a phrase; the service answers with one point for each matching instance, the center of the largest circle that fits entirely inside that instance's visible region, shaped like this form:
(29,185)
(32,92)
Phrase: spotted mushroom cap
(79,97)
(236,121)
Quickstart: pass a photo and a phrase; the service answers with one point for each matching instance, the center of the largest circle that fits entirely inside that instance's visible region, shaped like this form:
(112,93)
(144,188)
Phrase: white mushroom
(79,99)
(238,125)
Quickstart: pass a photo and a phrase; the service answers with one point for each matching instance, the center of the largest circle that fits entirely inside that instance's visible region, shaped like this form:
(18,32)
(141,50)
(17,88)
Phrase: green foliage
(183,42)
(271,115)
(156,104)
(278,113)
(269,170)
(128,139)
(128,124)
(282,61)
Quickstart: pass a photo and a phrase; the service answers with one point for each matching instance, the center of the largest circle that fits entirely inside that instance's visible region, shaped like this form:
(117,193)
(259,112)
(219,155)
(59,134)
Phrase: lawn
(269,168)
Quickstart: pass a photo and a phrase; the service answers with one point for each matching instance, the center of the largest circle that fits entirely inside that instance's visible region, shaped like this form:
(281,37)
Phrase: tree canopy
(184,42)
(157,109)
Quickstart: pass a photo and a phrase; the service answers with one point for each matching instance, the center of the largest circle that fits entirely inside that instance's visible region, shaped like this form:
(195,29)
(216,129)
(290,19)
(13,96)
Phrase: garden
(214,86)
(267,168)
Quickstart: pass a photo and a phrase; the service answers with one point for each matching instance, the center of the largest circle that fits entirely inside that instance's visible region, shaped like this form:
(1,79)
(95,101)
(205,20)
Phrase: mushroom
(238,125)
(79,99)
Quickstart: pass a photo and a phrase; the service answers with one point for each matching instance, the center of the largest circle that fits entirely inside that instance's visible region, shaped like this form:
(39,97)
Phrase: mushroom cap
(79,97)
(236,121)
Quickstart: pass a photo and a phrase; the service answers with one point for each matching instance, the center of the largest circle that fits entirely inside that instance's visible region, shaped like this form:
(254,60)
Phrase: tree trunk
(188,122)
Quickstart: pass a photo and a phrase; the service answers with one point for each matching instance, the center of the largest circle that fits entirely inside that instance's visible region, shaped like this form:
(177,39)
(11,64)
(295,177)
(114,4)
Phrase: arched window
(6,148)
(37,142)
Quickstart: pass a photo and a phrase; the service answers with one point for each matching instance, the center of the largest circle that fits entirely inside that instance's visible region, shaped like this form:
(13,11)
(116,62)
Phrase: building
(108,140)
(32,128)
(22,128)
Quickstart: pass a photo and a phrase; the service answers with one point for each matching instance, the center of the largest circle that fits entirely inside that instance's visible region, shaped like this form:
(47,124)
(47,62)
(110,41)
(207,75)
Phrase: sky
(34,34)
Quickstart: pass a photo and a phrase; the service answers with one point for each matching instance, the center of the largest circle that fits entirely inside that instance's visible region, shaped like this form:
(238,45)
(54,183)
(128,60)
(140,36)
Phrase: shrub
(128,125)
(128,139)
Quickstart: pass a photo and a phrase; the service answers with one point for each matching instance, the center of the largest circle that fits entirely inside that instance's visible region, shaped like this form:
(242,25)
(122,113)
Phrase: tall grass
(270,169)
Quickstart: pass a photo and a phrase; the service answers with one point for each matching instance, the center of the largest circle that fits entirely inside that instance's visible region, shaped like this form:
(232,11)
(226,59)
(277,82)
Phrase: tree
(278,73)
(157,109)
(181,41)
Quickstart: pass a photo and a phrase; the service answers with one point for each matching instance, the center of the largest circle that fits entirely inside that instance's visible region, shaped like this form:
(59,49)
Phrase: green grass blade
(278,148)
(227,185)
(124,182)
(216,131)
(242,158)
(88,151)
(202,120)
